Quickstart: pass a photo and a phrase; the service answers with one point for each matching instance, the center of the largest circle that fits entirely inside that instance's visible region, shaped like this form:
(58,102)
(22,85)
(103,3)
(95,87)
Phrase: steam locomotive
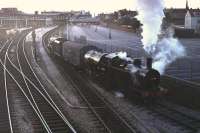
(116,71)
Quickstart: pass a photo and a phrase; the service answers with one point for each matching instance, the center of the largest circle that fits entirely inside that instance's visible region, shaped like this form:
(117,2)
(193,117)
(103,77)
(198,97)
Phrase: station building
(14,17)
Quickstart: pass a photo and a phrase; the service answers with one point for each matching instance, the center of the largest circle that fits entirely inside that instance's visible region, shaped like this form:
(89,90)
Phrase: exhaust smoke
(165,50)
(168,50)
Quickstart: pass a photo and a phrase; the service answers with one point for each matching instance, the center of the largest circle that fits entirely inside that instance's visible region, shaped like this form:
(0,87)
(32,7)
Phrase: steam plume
(169,49)
(166,50)
(151,16)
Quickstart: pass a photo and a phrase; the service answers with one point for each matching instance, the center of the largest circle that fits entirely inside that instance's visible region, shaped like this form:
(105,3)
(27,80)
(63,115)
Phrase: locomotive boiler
(121,73)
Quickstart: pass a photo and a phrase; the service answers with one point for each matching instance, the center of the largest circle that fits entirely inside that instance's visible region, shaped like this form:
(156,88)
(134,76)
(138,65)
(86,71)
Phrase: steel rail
(63,117)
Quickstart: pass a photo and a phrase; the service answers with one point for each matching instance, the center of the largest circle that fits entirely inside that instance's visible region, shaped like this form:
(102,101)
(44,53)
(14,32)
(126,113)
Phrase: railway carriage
(55,45)
(74,52)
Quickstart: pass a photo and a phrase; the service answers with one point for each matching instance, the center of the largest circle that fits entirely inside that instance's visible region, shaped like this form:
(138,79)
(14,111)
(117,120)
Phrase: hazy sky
(95,6)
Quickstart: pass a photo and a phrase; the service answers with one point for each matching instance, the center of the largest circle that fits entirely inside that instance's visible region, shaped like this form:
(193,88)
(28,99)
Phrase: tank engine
(115,71)
(121,73)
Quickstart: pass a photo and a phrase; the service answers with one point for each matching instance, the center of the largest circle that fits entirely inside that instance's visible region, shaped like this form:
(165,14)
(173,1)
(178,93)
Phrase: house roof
(195,14)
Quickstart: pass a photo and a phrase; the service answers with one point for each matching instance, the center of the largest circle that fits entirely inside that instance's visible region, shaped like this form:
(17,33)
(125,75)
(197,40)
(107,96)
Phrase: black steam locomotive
(115,71)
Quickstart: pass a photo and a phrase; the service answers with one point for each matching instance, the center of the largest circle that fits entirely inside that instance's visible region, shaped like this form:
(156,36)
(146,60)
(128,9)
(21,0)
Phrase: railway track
(104,114)
(10,91)
(19,75)
(181,118)
(22,84)
(4,114)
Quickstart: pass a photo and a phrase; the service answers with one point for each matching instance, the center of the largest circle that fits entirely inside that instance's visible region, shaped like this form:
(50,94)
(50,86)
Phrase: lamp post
(110,37)
(68,21)
(109,26)
(68,30)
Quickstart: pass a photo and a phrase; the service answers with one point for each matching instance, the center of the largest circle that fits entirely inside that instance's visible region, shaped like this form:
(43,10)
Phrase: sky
(95,6)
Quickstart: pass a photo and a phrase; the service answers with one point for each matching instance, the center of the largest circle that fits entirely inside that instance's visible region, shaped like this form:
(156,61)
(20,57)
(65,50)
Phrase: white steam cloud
(150,15)
(169,49)
(166,50)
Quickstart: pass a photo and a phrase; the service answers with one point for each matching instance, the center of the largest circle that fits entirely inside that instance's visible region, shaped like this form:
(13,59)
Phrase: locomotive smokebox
(149,63)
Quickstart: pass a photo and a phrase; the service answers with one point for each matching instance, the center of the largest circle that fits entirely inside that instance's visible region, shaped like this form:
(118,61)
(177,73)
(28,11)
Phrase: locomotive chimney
(149,63)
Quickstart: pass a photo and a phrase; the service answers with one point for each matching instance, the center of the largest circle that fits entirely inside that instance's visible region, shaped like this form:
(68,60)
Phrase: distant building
(177,15)
(49,22)
(192,20)
(117,15)
(81,15)
(10,12)
(14,17)
(56,17)
(126,14)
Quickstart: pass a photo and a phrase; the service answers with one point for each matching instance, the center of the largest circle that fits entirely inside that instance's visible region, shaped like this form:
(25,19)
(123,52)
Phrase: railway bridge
(85,21)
